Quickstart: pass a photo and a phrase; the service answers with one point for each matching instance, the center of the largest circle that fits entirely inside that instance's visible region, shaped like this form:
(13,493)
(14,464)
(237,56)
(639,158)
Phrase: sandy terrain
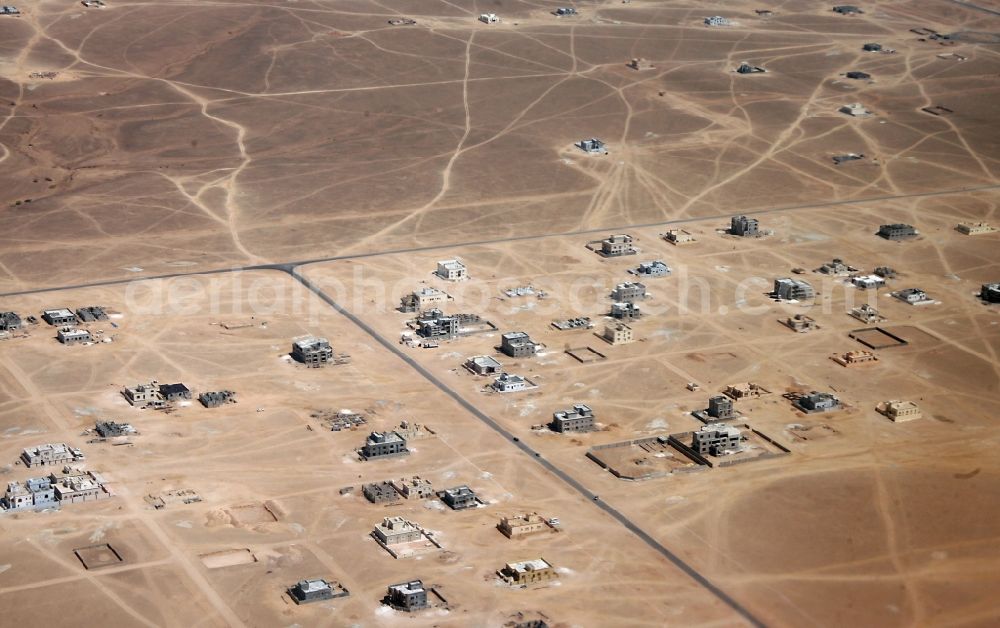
(226,177)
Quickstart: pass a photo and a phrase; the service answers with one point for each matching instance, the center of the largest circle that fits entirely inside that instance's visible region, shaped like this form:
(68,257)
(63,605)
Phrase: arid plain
(226,177)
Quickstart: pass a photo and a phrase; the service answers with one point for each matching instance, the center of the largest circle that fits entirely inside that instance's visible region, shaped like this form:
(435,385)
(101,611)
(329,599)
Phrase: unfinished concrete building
(899,411)
(73,336)
(800,323)
(678,236)
(617,245)
(452,270)
(459,497)
(625,311)
(396,530)
(716,439)
(50,454)
(745,390)
(517,344)
(415,487)
(74,486)
(618,334)
(111,429)
(421,300)
(746,68)
(836,267)
(744,227)
(975,228)
(523,525)
(592,146)
(855,358)
(59,317)
(217,399)
(91,314)
(628,292)
(527,572)
(866,314)
(990,292)
(383,445)
(380,492)
(142,395)
(817,402)
(436,325)
(579,418)
(312,351)
(638,63)
(32,494)
(717,20)
(483,365)
(9,321)
(788,289)
(897,231)
(407,596)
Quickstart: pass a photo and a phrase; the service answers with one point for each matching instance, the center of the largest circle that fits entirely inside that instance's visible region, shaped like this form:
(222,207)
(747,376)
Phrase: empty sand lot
(227,177)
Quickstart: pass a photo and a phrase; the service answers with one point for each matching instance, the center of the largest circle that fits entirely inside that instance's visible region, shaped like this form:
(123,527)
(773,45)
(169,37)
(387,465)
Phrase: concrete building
(618,244)
(459,497)
(745,390)
(897,231)
(847,9)
(522,525)
(717,20)
(380,492)
(174,392)
(618,333)
(638,63)
(801,323)
(91,314)
(34,493)
(628,292)
(678,237)
(489,18)
(312,351)
(625,311)
(990,292)
(593,145)
(50,454)
(885,272)
(507,382)
(9,321)
(407,596)
(9,10)
(716,439)
(913,296)
(855,358)
(436,325)
(564,11)
(656,268)
(866,314)
(846,157)
(975,228)
(143,395)
(836,267)
(483,365)
(383,445)
(721,407)
(899,411)
(580,418)
(744,227)
(421,300)
(746,68)
(856,110)
(111,429)
(527,572)
(817,402)
(216,399)
(73,336)
(315,590)
(58,317)
(396,530)
(414,488)
(788,289)
(867,282)
(452,270)
(517,344)
(74,486)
